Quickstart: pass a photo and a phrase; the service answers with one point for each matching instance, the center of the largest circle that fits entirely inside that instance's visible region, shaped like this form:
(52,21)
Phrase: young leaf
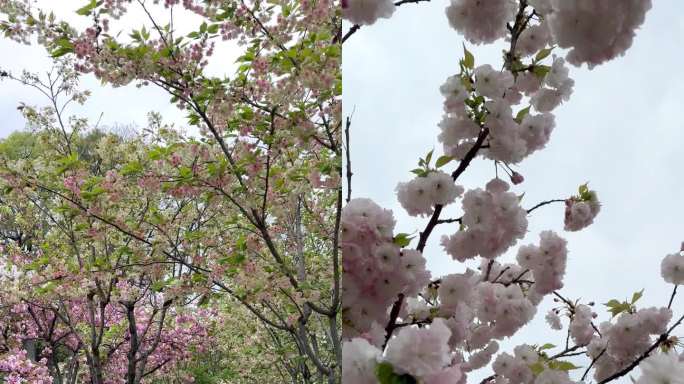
(541,70)
(521,114)
(547,346)
(402,239)
(85,11)
(428,158)
(443,160)
(637,295)
(468,59)
(544,53)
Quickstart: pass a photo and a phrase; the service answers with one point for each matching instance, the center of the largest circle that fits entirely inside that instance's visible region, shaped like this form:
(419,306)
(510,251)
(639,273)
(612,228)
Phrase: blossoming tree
(78,297)
(250,207)
(403,325)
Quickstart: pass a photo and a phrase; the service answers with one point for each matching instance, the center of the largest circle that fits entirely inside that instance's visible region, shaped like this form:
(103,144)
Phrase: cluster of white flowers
(626,339)
(594,32)
(423,353)
(662,368)
(546,261)
(534,39)
(552,376)
(366,12)
(510,140)
(581,328)
(580,214)
(557,90)
(493,221)
(492,83)
(420,195)
(455,94)
(481,21)
(420,352)
(375,269)
(516,368)
(360,359)
(672,268)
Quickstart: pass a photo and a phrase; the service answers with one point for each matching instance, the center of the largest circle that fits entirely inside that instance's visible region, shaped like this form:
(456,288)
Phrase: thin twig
(674,292)
(543,203)
(347,153)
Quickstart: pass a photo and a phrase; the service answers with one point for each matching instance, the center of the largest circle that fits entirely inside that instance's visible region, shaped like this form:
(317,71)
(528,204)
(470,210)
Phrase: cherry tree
(78,296)
(403,325)
(249,207)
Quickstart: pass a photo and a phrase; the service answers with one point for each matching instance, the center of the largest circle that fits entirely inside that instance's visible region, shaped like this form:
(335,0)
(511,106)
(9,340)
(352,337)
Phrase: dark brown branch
(346,147)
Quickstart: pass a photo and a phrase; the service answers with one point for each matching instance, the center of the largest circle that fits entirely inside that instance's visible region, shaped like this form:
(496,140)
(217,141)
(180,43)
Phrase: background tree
(251,207)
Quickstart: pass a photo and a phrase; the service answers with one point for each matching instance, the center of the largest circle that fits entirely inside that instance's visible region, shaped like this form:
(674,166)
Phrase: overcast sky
(621,131)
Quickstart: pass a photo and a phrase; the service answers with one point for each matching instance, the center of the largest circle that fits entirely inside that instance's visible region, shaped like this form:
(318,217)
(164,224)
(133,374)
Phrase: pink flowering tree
(80,302)
(248,208)
(402,324)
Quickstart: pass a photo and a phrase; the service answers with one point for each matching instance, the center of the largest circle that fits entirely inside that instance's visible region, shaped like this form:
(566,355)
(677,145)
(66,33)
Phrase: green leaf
(541,70)
(583,189)
(402,239)
(537,368)
(637,295)
(547,346)
(616,307)
(521,114)
(428,158)
(562,365)
(213,28)
(384,372)
(443,160)
(544,53)
(59,52)
(468,58)
(420,172)
(385,375)
(85,11)
(131,168)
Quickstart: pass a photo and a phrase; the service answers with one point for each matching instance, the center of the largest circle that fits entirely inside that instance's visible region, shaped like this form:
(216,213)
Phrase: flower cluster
(481,21)
(594,32)
(662,368)
(485,99)
(493,221)
(581,210)
(626,339)
(17,368)
(375,268)
(420,195)
(672,268)
(366,12)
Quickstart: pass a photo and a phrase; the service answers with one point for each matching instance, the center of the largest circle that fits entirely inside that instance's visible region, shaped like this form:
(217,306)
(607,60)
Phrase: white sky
(621,131)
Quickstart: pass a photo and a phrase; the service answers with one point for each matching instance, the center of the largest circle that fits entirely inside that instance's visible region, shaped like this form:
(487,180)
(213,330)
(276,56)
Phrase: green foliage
(385,374)
(402,239)
(443,160)
(616,307)
(87,9)
(468,60)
